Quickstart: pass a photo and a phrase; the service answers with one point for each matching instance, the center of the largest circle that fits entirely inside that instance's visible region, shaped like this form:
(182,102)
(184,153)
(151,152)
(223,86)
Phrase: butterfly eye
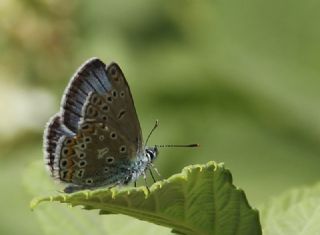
(110,159)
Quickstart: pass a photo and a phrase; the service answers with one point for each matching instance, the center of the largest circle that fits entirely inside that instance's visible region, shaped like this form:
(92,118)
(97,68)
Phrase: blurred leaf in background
(239,77)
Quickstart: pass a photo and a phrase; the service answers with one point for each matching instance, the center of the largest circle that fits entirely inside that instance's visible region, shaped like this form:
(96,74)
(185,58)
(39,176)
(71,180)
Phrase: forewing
(115,107)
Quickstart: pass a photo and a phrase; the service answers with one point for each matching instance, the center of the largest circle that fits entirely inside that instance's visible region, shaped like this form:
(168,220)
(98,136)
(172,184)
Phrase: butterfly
(95,139)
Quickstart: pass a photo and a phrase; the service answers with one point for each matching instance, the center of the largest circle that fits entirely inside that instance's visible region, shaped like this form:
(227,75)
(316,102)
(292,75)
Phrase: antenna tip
(195,145)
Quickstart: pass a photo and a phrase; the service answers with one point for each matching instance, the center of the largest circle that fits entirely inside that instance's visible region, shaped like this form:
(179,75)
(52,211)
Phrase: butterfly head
(152,153)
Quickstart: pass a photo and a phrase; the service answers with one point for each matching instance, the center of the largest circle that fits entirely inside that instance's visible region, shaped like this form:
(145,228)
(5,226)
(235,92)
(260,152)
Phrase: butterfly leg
(154,180)
(145,181)
(155,169)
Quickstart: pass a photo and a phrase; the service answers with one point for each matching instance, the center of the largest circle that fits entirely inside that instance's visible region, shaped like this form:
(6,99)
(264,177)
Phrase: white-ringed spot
(81,155)
(113,135)
(109,99)
(82,163)
(105,108)
(83,146)
(65,152)
(123,149)
(114,93)
(110,160)
(63,163)
(63,174)
(89,181)
(80,173)
(69,142)
(88,139)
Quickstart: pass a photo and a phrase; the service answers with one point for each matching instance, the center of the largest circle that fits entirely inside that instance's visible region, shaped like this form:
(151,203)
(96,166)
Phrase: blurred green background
(242,78)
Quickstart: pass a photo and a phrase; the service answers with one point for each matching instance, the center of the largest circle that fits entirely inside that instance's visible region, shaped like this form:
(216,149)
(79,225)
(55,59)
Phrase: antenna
(168,145)
(154,127)
(178,145)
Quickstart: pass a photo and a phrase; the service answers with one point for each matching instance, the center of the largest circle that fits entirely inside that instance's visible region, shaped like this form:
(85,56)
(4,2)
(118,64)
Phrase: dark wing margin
(91,76)
(52,134)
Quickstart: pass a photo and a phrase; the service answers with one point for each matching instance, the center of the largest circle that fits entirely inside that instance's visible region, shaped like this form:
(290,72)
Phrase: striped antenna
(177,145)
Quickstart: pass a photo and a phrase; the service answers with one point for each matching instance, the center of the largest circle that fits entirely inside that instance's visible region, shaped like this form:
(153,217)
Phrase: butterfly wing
(102,132)
(55,130)
(91,76)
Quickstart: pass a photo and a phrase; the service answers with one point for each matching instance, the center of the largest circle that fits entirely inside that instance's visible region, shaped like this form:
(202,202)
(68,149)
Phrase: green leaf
(200,200)
(294,212)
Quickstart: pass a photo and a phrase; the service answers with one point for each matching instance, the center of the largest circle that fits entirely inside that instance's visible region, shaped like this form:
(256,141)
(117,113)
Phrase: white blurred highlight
(23,108)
